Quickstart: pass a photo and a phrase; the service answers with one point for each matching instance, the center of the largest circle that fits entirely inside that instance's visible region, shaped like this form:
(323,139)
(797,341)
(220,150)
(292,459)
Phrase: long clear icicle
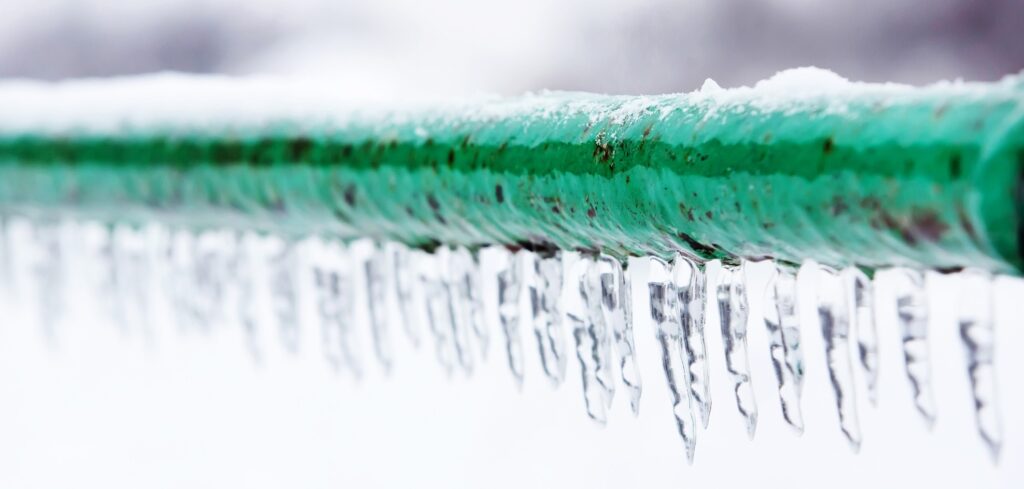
(545,291)
(669,335)
(912,313)
(616,304)
(690,286)
(977,332)
(590,336)
(509,285)
(834,319)
(376,269)
(732,308)
(783,325)
(862,318)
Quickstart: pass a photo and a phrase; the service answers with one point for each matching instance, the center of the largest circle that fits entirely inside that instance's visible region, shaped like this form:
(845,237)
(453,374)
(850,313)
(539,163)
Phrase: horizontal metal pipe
(872,175)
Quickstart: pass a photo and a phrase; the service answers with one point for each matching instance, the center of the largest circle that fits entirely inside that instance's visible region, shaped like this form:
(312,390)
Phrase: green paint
(919,178)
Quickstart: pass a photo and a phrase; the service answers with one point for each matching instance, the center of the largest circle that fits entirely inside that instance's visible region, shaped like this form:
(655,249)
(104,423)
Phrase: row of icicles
(443,289)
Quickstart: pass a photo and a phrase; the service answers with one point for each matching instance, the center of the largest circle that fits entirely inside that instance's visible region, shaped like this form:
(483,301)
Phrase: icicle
(545,290)
(452,281)
(732,307)
(439,316)
(244,264)
(690,286)
(616,302)
(283,295)
(125,252)
(912,312)
(783,325)
(509,273)
(862,313)
(6,255)
(335,307)
(669,335)
(49,277)
(208,277)
(588,336)
(409,304)
(834,316)
(977,331)
(375,268)
(465,279)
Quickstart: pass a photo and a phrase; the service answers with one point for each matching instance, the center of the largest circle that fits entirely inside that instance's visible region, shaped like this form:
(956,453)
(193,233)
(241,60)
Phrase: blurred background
(511,46)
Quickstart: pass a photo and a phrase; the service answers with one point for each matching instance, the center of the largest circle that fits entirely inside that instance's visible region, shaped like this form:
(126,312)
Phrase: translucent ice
(690,286)
(669,335)
(732,308)
(616,303)
(912,313)
(977,332)
(783,325)
(834,319)
(545,291)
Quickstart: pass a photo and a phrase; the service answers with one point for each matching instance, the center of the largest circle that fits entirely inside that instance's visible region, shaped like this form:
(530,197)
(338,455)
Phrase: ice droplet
(545,291)
(336,309)
(616,303)
(912,313)
(834,318)
(977,332)
(283,295)
(783,325)
(588,335)
(409,302)
(732,308)
(509,274)
(668,333)
(862,310)
(690,286)
(375,267)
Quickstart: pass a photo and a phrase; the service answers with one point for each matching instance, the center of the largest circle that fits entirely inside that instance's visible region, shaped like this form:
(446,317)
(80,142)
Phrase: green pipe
(867,175)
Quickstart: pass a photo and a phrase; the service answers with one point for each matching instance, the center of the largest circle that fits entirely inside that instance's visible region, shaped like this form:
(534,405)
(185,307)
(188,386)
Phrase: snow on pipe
(561,189)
